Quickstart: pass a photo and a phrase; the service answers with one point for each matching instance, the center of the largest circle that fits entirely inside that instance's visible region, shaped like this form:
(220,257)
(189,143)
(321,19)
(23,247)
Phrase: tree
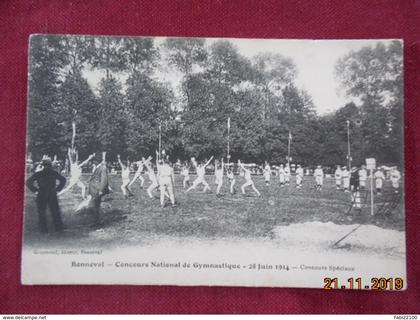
(374,76)
(395,104)
(258,95)
(147,102)
(200,134)
(46,61)
(148,106)
(187,55)
(108,55)
(112,116)
(78,51)
(249,141)
(78,103)
(226,65)
(272,73)
(212,95)
(139,54)
(334,147)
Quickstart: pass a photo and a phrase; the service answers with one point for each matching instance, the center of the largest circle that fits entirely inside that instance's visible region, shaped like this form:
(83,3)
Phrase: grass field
(202,215)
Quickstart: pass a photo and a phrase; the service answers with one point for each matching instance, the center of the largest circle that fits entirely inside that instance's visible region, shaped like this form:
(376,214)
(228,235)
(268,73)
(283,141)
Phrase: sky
(315,61)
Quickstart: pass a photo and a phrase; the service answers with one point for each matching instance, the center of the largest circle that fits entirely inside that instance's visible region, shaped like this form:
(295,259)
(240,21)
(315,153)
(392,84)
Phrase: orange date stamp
(379,284)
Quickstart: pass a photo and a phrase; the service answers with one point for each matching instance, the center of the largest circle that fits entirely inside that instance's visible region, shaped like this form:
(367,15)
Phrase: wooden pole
(341,239)
(348,145)
(73,136)
(228,142)
(288,149)
(371,193)
(160,140)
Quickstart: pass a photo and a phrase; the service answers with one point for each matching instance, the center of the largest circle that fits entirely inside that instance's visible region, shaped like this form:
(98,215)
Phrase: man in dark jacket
(354,187)
(98,185)
(46,194)
(354,179)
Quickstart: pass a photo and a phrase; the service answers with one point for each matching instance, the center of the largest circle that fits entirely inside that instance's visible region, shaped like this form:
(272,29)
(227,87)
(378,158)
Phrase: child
(76,172)
(185,172)
(345,175)
(151,173)
(362,177)
(218,172)
(138,175)
(395,179)
(299,176)
(201,172)
(281,176)
(248,180)
(379,180)
(166,181)
(232,180)
(267,173)
(337,176)
(319,177)
(125,175)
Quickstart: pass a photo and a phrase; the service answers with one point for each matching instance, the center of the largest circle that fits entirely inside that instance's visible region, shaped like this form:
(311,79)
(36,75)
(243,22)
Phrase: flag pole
(73,136)
(73,126)
(371,193)
(348,145)
(288,148)
(228,142)
(160,139)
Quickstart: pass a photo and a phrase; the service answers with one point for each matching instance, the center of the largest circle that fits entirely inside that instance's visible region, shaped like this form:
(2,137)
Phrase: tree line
(134,98)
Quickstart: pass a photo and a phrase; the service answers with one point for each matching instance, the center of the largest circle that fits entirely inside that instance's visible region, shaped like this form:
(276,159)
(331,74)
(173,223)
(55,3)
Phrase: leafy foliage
(133,102)
(374,75)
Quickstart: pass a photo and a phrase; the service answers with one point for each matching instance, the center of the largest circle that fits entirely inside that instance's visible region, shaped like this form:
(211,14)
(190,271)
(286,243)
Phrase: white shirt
(345,174)
(165,171)
(318,172)
(362,174)
(75,170)
(338,173)
(151,175)
(247,175)
(379,175)
(201,171)
(218,173)
(125,173)
(395,175)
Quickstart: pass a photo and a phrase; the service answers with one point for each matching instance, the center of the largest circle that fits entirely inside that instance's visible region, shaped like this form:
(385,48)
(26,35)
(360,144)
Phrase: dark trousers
(48,200)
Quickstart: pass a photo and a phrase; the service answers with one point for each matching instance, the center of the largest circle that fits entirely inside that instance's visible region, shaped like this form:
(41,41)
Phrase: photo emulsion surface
(229,162)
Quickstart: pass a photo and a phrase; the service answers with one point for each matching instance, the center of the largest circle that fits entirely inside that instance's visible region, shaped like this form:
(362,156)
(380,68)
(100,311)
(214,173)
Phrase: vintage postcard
(220,162)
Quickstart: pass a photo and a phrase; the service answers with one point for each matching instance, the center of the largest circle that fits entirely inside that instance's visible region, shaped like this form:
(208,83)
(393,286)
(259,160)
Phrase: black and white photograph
(214,161)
